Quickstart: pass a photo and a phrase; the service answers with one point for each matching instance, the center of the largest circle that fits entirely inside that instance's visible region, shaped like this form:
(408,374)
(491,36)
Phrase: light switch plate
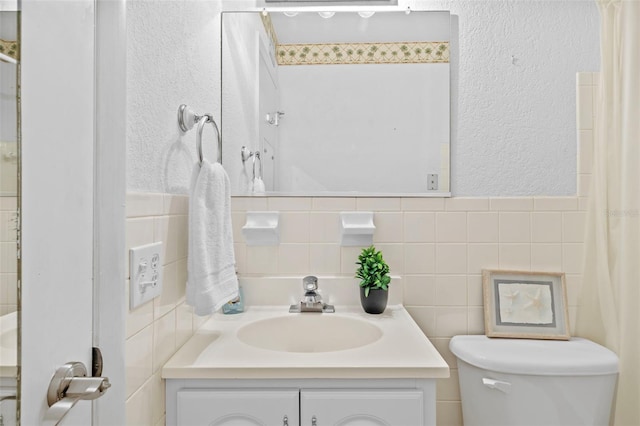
(145,273)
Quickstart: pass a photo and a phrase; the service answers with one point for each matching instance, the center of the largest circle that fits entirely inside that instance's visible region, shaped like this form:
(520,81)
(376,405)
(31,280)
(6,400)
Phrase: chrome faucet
(311,301)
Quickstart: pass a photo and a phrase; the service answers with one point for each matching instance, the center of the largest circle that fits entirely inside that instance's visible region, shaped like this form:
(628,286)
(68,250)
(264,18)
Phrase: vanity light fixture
(366,14)
(326,15)
(290,14)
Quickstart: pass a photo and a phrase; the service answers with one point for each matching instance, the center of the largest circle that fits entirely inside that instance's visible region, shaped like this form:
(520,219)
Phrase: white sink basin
(309,332)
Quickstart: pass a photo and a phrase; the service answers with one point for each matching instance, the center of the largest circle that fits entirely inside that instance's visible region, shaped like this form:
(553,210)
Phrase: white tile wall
(158,328)
(438,246)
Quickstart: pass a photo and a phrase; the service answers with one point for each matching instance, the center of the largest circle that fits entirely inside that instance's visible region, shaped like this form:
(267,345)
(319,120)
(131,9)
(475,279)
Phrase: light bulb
(326,15)
(366,14)
(290,14)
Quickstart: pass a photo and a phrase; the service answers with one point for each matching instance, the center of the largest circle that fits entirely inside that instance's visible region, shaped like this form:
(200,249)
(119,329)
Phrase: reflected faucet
(311,301)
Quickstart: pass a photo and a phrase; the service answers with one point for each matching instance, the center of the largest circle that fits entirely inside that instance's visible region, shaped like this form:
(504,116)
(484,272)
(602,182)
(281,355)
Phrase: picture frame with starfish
(525,305)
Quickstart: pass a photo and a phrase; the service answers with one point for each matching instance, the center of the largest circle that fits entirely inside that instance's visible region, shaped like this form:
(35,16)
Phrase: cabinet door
(361,408)
(197,407)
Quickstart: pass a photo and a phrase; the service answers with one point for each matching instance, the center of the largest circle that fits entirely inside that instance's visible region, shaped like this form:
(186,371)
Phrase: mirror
(9,159)
(347,103)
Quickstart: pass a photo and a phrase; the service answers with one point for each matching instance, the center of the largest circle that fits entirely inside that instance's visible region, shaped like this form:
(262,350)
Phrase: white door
(59,225)
(237,407)
(361,408)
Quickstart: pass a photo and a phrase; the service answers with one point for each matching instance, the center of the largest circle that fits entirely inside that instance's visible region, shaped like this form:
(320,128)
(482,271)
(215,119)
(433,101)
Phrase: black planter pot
(376,302)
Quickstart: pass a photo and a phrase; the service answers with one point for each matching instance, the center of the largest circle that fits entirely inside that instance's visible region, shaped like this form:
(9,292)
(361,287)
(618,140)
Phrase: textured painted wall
(512,84)
(513,98)
(173,57)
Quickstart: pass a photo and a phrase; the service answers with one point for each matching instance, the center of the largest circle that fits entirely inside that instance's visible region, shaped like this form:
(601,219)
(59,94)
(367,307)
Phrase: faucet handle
(310,283)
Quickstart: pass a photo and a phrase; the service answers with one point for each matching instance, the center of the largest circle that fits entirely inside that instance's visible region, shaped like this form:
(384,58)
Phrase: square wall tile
(448,389)
(585,151)
(388,227)
(475,320)
(348,259)
(419,258)
(324,227)
(451,258)
(451,321)
(448,413)
(515,227)
(324,259)
(482,227)
(139,408)
(394,255)
(573,226)
(175,204)
(584,79)
(262,260)
(515,257)
(293,258)
(140,204)
(584,184)
(451,290)
(474,290)
(171,291)
(451,227)
(546,257)
(294,227)
(138,318)
(584,104)
(164,339)
(138,353)
(419,290)
(425,317)
(419,227)
(546,227)
(482,256)
(572,258)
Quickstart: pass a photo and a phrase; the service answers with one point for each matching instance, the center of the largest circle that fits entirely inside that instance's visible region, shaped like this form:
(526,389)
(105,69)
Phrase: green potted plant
(373,273)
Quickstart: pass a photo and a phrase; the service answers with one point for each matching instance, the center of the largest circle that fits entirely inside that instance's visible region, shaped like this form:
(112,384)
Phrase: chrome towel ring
(187,119)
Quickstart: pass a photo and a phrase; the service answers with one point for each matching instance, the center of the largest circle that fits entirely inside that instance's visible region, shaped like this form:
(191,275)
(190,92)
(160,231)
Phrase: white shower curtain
(609,308)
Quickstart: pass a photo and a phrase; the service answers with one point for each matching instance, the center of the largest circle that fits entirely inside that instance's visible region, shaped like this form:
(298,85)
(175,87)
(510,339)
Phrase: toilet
(515,382)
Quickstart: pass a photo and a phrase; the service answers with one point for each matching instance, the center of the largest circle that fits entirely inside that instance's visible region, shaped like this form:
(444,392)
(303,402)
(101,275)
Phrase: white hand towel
(258,186)
(212,280)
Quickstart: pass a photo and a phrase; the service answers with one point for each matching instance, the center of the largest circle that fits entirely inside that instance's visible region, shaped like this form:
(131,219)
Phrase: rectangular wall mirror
(336,104)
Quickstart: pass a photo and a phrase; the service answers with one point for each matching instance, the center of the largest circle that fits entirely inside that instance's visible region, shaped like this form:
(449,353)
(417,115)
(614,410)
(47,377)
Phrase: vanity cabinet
(361,407)
(301,402)
(226,407)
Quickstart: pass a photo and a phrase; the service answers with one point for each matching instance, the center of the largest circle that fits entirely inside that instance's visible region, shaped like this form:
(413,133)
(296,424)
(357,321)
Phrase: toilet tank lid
(575,357)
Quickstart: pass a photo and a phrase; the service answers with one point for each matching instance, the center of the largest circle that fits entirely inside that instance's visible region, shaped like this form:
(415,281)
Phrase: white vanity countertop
(215,352)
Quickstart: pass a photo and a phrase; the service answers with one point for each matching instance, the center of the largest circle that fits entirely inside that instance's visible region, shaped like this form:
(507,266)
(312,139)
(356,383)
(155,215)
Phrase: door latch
(69,385)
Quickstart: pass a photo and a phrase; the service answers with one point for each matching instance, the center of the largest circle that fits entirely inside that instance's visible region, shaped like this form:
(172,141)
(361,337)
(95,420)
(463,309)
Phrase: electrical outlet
(432,182)
(145,273)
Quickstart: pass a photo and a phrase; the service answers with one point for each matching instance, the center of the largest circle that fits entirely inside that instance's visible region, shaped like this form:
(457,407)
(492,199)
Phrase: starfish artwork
(525,303)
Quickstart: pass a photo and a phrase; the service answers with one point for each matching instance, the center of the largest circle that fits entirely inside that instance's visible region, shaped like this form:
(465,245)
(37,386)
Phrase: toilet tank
(534,382)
